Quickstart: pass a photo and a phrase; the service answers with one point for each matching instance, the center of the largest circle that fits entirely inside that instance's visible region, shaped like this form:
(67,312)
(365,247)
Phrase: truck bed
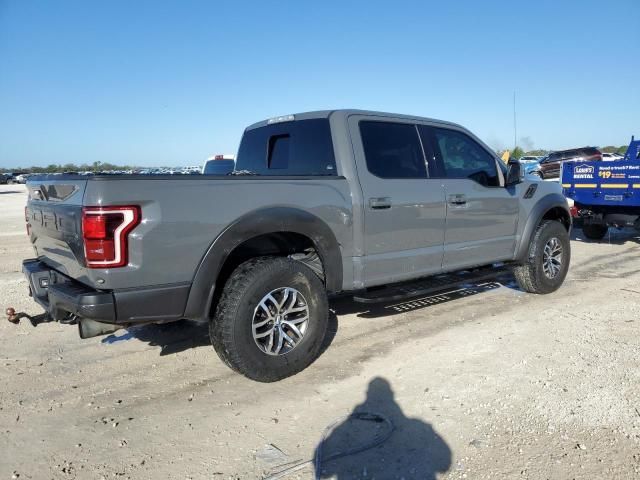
(181,217)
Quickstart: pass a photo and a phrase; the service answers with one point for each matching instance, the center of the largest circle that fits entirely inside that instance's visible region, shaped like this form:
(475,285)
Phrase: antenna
(515,125)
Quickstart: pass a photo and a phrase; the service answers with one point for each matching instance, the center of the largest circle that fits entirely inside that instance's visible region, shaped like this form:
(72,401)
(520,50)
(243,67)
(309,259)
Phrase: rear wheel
(547,261)
(271,319)
(594,231)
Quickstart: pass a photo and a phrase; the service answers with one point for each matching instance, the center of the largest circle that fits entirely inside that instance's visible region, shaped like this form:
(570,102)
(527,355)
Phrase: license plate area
(613,198)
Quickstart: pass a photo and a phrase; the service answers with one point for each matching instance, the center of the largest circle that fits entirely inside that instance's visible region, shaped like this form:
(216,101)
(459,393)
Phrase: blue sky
(169,83)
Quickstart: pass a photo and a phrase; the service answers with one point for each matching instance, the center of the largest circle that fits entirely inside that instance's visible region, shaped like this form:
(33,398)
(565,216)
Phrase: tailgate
(54,212)
(602,183)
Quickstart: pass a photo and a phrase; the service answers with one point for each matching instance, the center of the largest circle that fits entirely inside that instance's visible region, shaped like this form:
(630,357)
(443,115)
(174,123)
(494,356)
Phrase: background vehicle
(6,178)
(611,157)
(550,165)
(22,178)
(605,194)
(191,170)
(322,203)
(219,165)
(530,163)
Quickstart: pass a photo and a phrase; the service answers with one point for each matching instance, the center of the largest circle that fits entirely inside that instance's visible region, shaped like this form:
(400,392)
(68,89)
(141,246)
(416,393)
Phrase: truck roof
(344,113)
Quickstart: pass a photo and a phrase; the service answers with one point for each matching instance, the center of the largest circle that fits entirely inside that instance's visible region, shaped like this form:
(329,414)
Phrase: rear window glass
(300,147)
(279,151)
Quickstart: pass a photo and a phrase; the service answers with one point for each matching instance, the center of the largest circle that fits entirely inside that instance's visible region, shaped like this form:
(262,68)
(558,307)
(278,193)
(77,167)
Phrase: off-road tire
(231,328)
(594,231)
(530,274)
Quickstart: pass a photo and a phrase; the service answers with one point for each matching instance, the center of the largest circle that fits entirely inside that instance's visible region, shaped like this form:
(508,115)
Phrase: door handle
(380,203)
(457,199)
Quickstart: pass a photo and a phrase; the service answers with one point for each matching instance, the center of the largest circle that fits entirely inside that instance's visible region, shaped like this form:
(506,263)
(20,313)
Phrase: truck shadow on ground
(377,440)
(172,338)
(176,337)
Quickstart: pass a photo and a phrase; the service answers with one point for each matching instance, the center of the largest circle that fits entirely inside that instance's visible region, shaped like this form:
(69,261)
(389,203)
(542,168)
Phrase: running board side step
(429,285)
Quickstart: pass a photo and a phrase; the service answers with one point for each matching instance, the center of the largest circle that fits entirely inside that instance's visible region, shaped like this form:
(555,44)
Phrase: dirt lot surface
(484,382)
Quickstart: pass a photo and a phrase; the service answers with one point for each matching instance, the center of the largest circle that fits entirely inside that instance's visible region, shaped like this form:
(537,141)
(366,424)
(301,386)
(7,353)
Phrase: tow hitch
(15,317)
(12,316)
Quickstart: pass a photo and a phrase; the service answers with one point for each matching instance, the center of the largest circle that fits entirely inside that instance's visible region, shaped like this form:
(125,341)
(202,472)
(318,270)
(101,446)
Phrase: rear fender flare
(260,222)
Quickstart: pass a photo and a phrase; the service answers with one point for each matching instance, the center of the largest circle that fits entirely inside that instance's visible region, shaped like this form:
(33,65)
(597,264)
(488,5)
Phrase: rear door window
(296,148)
(571,154)
(460,156)
(589,152)
(392,150)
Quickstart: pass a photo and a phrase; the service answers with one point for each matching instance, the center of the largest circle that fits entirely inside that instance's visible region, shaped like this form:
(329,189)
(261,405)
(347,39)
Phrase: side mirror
(514,172)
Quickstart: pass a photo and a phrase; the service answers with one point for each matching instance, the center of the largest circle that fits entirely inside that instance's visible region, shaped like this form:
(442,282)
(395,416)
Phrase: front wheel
(548,259)
(271,320)
(594,231)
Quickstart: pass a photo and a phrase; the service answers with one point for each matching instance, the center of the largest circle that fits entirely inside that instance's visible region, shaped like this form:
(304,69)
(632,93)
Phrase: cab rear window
(296,148)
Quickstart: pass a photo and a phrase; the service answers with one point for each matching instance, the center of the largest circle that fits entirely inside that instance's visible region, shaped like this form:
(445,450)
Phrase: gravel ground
(484,382)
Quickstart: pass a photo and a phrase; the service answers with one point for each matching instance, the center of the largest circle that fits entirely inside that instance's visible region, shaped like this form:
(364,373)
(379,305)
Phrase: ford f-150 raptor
(320,204)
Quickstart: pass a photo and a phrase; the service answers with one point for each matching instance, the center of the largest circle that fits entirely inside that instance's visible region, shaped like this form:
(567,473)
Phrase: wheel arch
(551,207)
(284,229)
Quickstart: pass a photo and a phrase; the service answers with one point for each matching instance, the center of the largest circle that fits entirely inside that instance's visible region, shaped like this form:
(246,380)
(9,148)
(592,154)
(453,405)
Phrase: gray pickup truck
(320,204)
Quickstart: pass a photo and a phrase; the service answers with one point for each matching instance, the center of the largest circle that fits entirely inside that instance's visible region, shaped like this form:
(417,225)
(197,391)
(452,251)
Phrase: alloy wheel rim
(552,258)
(280,321)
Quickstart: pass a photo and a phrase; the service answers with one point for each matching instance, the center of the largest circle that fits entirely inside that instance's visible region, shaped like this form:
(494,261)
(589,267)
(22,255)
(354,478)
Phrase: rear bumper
(62,296)
(612,219)
(608,214)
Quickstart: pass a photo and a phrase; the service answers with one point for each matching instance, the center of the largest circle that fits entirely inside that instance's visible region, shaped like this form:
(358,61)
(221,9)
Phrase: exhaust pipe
(90,328)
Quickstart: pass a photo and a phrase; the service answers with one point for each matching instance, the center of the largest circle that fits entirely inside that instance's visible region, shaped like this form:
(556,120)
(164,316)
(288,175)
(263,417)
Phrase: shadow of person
(413,450)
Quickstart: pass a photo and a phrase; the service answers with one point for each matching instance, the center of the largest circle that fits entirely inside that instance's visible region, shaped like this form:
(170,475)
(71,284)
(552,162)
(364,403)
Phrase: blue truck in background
(605,194)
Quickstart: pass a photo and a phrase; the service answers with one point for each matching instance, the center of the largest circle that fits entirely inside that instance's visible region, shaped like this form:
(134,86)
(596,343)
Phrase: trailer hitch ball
(12,316)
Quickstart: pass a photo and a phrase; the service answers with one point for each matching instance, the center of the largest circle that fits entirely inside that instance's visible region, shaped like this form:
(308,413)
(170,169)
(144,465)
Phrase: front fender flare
(544,205)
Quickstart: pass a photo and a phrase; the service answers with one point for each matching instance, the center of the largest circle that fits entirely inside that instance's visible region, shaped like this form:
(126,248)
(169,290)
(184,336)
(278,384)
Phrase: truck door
(482,214)
(403,211)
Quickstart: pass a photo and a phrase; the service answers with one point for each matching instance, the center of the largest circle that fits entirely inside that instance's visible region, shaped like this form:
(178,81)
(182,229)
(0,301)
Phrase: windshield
(218,167)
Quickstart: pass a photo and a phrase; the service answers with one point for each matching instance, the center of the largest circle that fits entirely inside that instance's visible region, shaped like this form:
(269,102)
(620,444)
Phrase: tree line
(71,167)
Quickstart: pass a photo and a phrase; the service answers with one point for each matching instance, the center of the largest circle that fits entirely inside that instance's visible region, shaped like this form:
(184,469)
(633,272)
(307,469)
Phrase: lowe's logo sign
(583,170)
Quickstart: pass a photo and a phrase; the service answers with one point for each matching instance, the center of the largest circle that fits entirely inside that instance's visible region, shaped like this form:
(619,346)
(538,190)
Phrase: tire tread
(222,326)
(528,274)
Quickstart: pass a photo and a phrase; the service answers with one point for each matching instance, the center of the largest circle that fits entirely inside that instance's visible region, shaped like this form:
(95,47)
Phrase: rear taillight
(105,231)
(573,210)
